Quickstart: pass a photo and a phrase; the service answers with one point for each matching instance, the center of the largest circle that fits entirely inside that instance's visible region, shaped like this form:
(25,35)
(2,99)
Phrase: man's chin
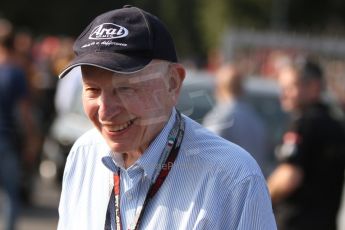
(119,147)
(289,108)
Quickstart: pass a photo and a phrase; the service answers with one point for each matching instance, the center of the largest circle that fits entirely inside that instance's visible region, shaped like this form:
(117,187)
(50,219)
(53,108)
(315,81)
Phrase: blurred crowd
(306,184)
(41,59)
(29,67)
(37,61)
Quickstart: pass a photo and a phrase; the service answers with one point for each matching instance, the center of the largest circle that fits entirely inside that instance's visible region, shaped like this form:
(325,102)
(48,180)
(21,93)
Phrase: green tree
(214,17)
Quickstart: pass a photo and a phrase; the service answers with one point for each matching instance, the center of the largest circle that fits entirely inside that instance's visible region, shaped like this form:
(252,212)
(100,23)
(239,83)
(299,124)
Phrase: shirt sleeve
(68,196)
(249,206)
(295,142)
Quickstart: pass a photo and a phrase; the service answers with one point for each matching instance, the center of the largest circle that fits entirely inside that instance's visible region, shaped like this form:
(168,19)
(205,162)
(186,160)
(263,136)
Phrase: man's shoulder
(14,72)
(90,139)
(87,149)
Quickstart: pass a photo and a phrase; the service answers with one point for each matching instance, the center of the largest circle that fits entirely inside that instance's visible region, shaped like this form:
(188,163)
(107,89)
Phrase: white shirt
(213,184)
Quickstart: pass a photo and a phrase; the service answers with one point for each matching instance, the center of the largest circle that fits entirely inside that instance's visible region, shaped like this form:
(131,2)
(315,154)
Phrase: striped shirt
(213,184)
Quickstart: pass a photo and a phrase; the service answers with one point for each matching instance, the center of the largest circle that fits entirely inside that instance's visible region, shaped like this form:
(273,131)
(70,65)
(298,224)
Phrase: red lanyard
(173,149)
(117,200)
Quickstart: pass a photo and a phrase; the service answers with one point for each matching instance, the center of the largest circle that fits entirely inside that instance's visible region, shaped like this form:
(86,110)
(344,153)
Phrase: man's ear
(177,75)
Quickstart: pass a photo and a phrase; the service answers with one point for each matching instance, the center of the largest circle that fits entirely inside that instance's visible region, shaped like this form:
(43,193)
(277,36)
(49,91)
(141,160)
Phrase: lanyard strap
(117,199)
(168,157)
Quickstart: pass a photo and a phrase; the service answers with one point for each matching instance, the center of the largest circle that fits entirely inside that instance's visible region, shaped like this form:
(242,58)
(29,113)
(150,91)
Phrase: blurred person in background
(45,79)
(22,57)
(14,105)
(67,90)
(306,186)
(234,119)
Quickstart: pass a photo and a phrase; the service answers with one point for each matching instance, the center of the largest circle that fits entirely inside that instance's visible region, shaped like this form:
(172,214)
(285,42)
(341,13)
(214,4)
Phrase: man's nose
(109,107)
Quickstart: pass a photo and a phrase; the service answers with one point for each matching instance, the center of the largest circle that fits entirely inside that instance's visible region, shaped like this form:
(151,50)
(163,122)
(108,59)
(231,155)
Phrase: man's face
(129,110)
(291,90)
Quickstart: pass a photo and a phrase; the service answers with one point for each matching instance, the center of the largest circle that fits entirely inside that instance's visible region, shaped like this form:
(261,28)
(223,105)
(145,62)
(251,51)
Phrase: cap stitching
(148,26)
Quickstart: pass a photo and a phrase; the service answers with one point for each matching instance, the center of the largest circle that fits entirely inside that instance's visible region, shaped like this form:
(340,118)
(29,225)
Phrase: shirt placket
(130,194)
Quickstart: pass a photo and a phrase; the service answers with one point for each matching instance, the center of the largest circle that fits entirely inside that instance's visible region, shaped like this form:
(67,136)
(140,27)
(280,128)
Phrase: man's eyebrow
(119,78)
(87,82)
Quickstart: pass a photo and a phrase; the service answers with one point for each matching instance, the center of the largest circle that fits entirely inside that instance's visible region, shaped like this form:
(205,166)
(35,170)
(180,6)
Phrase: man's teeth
(117,128)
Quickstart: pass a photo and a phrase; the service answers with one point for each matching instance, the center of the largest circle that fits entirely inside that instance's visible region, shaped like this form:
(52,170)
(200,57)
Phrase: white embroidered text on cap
(108,31)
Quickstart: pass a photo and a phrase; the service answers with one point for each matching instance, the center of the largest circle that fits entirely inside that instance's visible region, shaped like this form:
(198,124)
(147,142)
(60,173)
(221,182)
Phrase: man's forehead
(155,70)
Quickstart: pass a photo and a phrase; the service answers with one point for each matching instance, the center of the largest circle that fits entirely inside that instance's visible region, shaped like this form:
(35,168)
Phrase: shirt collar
(150,158)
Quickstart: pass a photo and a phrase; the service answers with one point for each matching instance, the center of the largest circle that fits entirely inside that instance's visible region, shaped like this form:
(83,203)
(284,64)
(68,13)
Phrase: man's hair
(308,69)
(7,41)
(6,34)
(232,79)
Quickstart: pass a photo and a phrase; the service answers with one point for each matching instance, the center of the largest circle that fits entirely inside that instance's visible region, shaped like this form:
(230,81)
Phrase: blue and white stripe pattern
(213,184)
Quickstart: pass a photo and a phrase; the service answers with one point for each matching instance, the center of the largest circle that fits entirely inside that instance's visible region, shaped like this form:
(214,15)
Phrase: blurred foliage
(215,16)
(196,25)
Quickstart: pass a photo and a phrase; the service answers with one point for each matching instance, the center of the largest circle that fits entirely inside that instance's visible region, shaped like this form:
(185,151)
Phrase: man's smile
(120,127)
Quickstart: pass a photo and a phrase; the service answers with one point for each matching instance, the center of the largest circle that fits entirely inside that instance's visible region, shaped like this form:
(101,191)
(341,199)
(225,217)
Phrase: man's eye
(91,91)
(125,89)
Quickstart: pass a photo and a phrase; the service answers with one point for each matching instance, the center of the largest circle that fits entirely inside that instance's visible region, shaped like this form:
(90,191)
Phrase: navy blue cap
(124,41)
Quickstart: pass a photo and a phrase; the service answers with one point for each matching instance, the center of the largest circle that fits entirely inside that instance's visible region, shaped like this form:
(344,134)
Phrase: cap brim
(114,62)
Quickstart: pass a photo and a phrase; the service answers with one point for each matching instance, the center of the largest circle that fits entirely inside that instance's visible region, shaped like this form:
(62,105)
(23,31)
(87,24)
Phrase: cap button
(127,6)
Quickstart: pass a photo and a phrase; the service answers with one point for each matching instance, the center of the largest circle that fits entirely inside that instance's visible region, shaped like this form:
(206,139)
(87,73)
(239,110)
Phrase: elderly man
(146,166)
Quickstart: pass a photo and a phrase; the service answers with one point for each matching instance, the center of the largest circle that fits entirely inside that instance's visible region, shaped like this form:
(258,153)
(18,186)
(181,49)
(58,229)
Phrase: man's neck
(130,158)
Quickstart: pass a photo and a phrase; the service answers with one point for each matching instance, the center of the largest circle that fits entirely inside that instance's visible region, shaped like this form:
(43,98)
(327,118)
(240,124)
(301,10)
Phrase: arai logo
(108,31)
